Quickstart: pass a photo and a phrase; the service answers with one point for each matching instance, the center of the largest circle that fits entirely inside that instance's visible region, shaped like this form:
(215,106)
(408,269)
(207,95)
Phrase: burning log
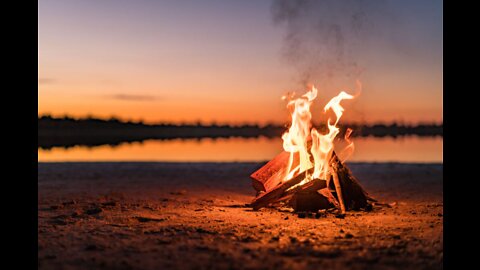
(311,201)
(314,185)
(310,187)
(312,197)
(271,174)
(278,192)
(343,191)
(338,189)
(353,195)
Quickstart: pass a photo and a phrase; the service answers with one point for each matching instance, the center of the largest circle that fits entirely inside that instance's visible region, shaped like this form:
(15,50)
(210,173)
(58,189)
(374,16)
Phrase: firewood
(310,201)
(311,186)
(338,188)
(271,196)
(353,195)
(346,191)
(327,194)
(271,174)
(312,197)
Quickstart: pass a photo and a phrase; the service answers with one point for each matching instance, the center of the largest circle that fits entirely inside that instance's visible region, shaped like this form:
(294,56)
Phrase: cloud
(128,97)
(45,80)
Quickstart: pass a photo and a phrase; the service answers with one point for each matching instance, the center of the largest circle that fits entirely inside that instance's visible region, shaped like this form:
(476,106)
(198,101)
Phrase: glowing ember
(296,140)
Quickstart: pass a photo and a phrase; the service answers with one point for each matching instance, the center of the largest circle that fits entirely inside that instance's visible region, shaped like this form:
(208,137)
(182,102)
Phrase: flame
(296,140)
(348,150)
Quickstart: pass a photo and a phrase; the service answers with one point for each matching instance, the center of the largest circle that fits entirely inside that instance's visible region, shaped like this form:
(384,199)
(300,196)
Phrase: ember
(308,175)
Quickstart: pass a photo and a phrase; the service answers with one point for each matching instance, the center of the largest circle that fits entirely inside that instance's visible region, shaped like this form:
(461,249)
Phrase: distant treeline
(67,131)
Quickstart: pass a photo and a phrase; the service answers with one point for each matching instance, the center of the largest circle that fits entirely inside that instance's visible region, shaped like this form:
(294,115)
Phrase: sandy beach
(192,216)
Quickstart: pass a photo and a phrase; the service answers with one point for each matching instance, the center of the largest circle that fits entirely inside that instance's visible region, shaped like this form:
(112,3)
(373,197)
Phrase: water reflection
(368,149)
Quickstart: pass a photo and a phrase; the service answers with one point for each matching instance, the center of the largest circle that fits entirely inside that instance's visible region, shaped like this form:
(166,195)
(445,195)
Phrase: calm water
(406,149)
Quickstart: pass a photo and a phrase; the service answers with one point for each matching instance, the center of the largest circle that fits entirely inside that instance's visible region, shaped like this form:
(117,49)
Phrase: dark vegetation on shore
(68,132)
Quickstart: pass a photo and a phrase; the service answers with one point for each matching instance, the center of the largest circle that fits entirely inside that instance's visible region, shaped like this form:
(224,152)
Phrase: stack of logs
(341,191)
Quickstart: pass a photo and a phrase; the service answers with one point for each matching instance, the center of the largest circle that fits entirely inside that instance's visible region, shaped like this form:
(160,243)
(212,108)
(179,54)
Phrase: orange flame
(296,138)
(348,150)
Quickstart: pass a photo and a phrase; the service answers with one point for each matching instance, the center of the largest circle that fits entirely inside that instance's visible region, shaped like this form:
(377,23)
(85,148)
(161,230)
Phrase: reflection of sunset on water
(406,149)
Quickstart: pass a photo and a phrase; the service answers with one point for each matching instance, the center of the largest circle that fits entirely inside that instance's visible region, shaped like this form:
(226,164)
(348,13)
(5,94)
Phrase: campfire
(309,176)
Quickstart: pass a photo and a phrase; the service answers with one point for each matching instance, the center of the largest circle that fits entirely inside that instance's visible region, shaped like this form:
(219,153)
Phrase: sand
(192,216)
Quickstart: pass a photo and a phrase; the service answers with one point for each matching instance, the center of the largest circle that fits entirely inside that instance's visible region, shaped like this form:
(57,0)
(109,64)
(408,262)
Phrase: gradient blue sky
(225,61)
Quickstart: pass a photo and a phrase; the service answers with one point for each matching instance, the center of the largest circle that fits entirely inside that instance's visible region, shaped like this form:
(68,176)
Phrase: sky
(231,61)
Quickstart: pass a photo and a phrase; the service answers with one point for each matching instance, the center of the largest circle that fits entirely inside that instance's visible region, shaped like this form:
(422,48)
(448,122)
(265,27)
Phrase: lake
(367,149)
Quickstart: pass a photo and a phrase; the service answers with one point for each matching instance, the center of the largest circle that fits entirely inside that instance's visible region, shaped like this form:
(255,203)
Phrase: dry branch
(354,196)
(338,189)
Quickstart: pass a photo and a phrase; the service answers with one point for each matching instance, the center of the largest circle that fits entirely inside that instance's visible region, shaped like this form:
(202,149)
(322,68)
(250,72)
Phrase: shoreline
(138,215)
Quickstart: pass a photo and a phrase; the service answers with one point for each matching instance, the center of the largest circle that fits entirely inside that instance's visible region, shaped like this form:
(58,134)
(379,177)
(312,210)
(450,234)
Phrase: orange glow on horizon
(230,109)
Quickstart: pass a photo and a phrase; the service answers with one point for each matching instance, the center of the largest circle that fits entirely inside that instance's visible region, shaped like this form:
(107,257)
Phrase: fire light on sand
(309,175)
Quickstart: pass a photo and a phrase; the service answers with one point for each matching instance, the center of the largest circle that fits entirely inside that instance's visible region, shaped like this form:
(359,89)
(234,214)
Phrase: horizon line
(211,123)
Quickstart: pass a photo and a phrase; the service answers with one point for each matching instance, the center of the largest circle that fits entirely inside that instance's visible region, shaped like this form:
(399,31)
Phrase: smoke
(324,38)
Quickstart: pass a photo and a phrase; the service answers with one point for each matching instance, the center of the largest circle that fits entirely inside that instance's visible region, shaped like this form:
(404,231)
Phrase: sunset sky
(231,61)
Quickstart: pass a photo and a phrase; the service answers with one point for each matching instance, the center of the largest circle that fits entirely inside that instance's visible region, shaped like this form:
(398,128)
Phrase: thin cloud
(127,97)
